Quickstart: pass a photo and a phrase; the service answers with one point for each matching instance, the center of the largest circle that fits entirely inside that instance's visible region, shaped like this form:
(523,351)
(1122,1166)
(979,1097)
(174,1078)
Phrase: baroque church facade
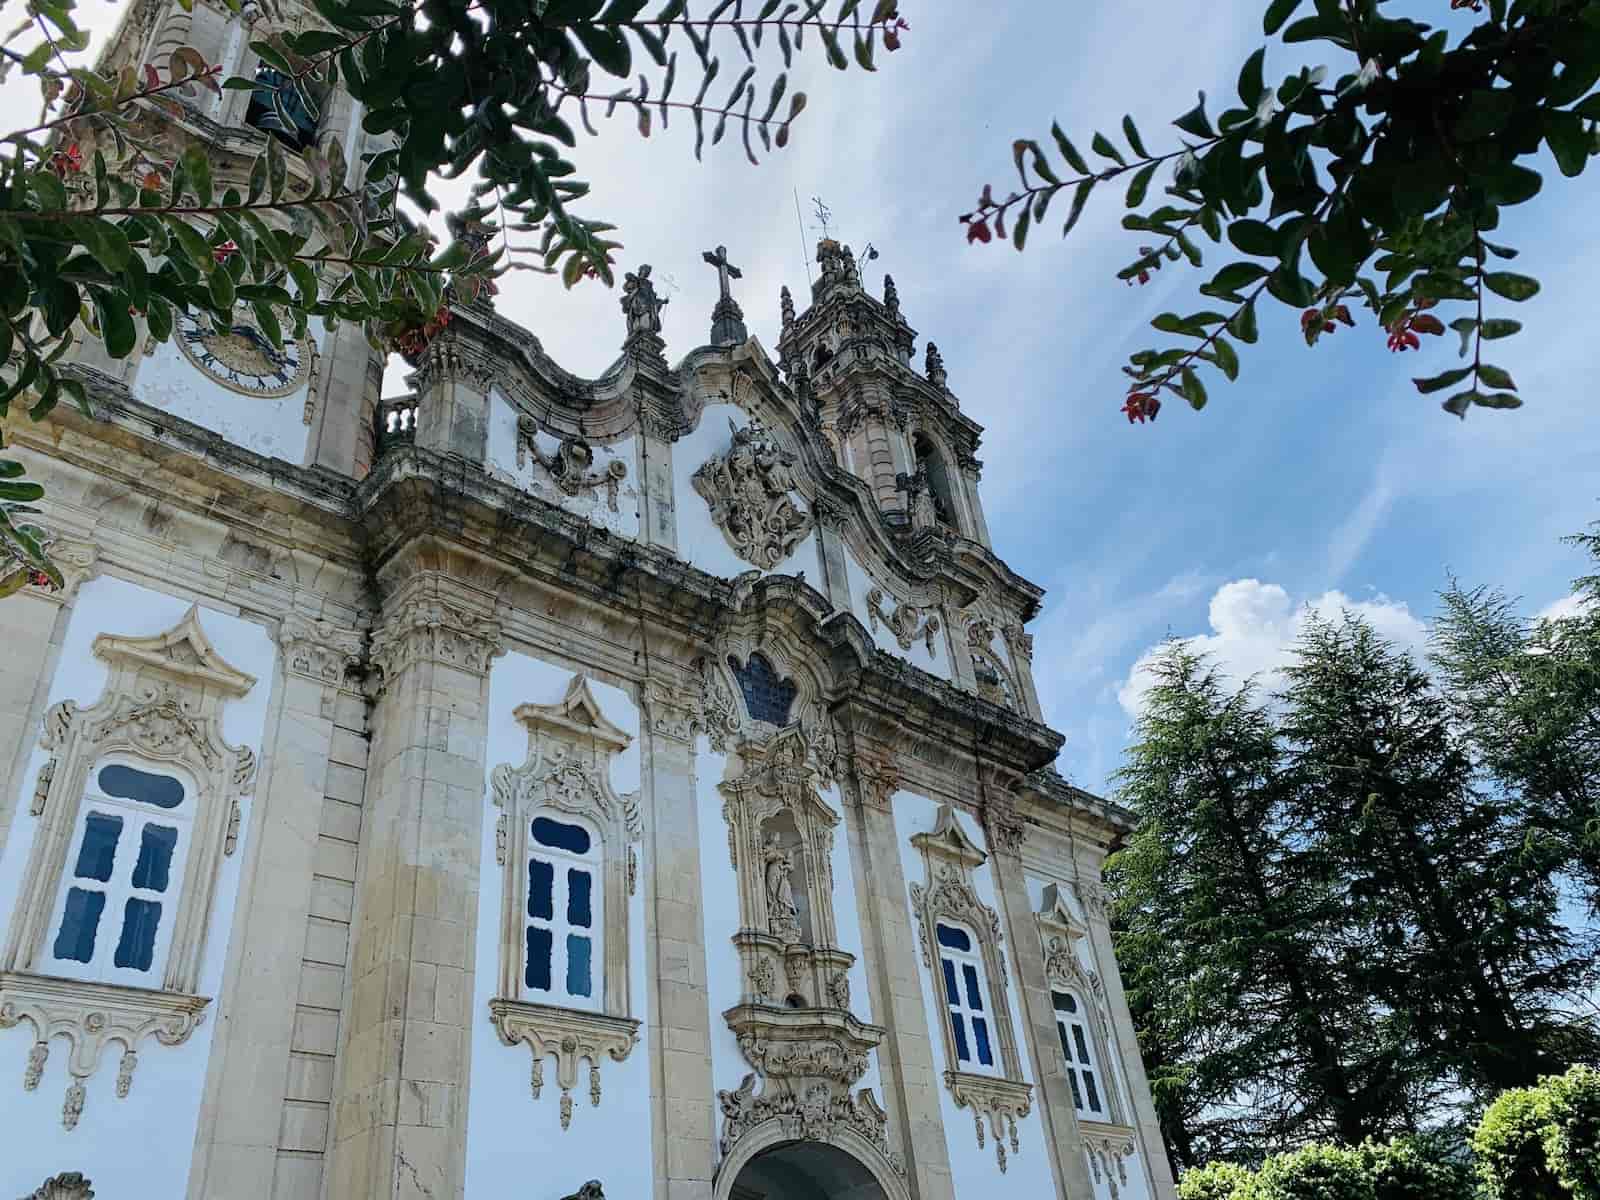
(540,786)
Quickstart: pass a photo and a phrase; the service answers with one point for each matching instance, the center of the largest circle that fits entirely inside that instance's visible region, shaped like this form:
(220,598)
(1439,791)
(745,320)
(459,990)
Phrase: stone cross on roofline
(727,318)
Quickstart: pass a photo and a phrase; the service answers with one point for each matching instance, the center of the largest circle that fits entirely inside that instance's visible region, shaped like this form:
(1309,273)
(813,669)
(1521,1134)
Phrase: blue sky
(1321,477)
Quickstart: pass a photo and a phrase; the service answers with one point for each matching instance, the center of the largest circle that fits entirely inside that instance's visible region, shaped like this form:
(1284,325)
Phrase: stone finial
(786,304)
(891,296)
(830,257)
(852,273)
(727,318)
(933,367)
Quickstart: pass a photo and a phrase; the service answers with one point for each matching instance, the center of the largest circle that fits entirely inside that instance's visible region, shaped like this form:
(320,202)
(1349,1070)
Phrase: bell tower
(311,400)
(849,357)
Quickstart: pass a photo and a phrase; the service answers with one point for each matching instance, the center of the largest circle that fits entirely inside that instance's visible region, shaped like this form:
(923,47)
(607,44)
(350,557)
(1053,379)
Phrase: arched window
(565,911)
(277,107)
(931,468)
(965,995)
(1077,1046)
(125,872)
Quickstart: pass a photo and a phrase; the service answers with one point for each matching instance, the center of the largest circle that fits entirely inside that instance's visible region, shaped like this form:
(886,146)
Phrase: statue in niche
(783,914)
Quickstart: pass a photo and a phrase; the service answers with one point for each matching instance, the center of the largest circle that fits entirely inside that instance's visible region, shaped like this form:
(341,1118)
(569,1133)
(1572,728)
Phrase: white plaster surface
(973,1170)
(937,663)
(140,1145)
(699,540)
(275,427)
(720,904)
(515,1144)
(593,506)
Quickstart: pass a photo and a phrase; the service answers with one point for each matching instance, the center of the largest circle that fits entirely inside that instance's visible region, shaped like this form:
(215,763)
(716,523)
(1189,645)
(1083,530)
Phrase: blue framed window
(966,998)
(1077,1048)
(767,696)
(563,920)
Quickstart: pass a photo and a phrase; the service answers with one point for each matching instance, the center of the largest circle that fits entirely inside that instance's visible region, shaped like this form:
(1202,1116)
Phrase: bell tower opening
(931,467)
(806,1171)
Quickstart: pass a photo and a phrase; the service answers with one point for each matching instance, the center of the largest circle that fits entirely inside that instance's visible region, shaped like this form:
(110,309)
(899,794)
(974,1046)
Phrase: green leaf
(1495,377)
(1465,327)
(1080,195)
(1069,151)
(1019,229)
(1227,360)
(1194,121)
(1277,13)
(1130,132)
(1460,402)
(1243,324)
(1102,146)
(1500,327)
(198,168)
(116,323)
(1254,237)
(1568,140)
(1510,183)
(1250,81)
(1510,285)
(1193,390)
(20,493)
(1139,184)
(1437,383)
(1497,400)
(1235,276)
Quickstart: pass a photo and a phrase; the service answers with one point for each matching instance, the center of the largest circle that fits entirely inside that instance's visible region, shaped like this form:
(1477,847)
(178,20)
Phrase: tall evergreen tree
(1232,932)
(1454,906)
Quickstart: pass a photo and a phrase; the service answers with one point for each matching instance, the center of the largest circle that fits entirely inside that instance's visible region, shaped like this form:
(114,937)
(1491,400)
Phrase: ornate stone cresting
(69,1185)
(162,704)
(425,628)
(805,1047)
(748,489)
(949,859)
(319,650)
(571,745)
(571,467)
(905,621)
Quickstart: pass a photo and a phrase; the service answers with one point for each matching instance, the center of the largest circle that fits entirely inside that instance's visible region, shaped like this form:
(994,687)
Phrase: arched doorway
(806,1171)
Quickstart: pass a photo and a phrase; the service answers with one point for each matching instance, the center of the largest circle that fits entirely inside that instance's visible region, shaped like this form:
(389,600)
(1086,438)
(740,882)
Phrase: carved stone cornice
(568,1034)
(427,629)
(78,562)
(1000,1102)
(877,779)
(319,650)
(91,1016)
(1093,896)
(669,712)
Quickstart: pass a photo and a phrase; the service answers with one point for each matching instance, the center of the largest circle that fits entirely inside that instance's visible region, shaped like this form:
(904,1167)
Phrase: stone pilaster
(401,1099)
(1005,830)
(1019,648)
(658,517)
(247,1075)
(337,402)
(681,1106)
(905,1056)
(32,624)
(830,533)
(452,403)
(1153,1147)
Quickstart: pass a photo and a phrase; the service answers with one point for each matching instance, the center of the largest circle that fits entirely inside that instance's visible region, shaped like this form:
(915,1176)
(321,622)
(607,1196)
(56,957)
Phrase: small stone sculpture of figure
(933,366)
(783,915)
(891,296)
(786,306)
(640,302)
(589,1191)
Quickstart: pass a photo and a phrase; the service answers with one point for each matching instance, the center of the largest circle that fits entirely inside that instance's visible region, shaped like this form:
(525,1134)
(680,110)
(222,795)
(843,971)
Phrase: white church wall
(847,924)
(274,426)
(936,663)
(515,1144)
(699,540)
(593,505)
(140,1145)
(973,1170)
(720,907)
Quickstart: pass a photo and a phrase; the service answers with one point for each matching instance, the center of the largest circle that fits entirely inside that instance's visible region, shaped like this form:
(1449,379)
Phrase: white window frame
(1076,1036)
(119,889)
(960,962)
(561,861)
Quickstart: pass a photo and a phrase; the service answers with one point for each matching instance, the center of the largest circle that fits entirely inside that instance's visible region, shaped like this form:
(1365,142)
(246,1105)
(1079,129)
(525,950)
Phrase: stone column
(401,1098)
(1093,898)
(658,517)
(830,536)
(452,403)
(905,1057)
(247,1073)
(337,407)
(1019,647)
(682,1107)
(32,624)
(1004,830)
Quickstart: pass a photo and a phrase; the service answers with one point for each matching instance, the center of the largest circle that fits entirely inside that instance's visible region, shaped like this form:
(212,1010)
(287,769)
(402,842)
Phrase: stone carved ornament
(747,488)
(427,628)
(905,621)
(994,680)
(317,649)
(1108,1155)
(571,467)
(568,768)
(162,703)
(69,1185)
(949,859)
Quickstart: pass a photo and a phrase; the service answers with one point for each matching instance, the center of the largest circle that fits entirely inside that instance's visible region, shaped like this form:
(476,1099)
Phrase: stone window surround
(567,771)
(161,704)
(949,858)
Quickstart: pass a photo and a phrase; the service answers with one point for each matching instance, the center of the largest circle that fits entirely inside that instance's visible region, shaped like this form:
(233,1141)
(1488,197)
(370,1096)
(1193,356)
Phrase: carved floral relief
(748,488)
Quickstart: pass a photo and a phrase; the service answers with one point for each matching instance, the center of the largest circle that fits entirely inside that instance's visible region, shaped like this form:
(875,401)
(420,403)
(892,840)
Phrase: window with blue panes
(1072,1026)
(120,890)
(966,998)
(562,958)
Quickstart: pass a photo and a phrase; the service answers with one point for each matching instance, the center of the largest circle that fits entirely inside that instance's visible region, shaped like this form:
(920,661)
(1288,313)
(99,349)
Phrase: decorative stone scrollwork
(999,1101)
(669,713)
(906,622)
(1108,1148)
(91,1016)
(1002,820)
(748,489)
(571,467)
(319,650)
(994,679)
(1019,641)
(718,708)
(569,1035)
(69,1185)
(424,628)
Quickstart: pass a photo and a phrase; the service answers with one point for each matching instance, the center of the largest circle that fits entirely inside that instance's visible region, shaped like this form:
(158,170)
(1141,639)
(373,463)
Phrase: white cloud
(1567,606)
(1254,626)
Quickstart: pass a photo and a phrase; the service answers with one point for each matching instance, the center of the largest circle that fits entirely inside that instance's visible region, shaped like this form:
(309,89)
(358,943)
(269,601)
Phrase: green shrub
(1312,1173)
(1215,1181)
(1508,1146)
(1572,1131)
(1414,1169)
